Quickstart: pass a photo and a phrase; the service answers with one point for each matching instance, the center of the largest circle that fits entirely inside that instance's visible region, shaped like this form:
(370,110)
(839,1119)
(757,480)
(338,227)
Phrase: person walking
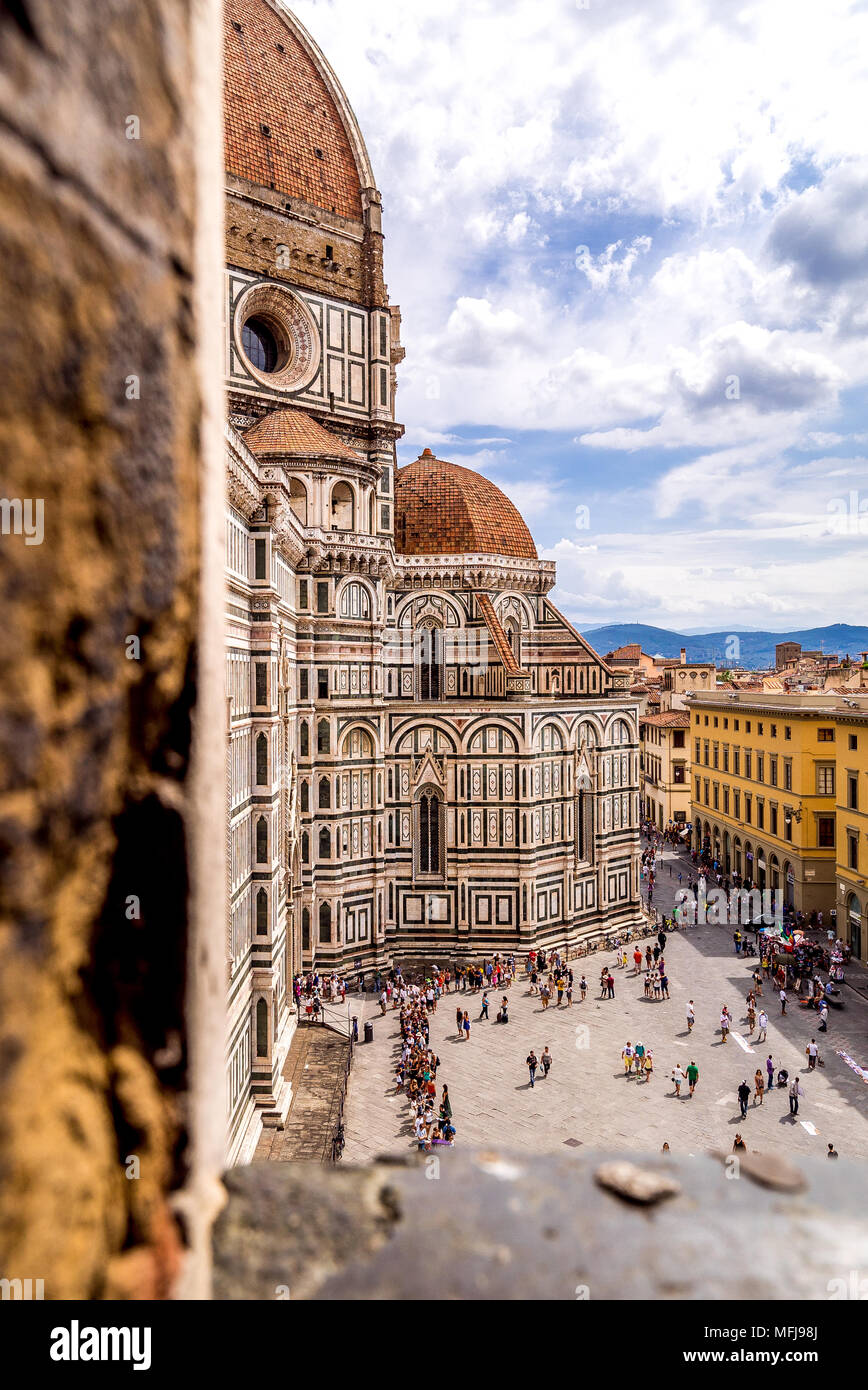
(639,1057)
(583,988)
(831,1151)
(724,1023)
(783,999)
(610,985)
(484,1010)
(758,1087)
(664,986)
(637,961)
(794,1091)
(678,1075)
(692,1076)
(546,1061)
(763,1021)
(531,1062)
(627,1055)
(691,1015)
(813,1052)
(459,1021)
(649,1064)
(770,1071)
(738,1145)
(743,1098)
(466,1026)
(824,1018)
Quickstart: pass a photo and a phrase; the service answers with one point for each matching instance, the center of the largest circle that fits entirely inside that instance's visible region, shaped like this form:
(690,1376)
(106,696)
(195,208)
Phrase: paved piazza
(587,1097)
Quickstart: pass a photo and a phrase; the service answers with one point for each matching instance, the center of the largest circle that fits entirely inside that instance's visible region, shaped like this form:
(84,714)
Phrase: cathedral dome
(293,434)
(288,124)
(443,509)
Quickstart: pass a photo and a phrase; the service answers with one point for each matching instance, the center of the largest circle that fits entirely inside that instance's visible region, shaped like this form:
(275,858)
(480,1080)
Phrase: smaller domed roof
(444,509)
(293,434)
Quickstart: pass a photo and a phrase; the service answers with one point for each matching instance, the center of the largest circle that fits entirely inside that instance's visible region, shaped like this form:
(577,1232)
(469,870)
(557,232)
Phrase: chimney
(683,656)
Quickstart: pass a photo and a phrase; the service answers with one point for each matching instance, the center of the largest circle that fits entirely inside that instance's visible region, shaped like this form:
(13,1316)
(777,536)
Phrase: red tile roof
(282,126)
(669,719)
(444,509)
(293,434)
(631,652)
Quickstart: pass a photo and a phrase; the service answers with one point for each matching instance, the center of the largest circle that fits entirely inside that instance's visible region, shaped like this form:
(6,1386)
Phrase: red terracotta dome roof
(293,434)
(443,509)
(283,128)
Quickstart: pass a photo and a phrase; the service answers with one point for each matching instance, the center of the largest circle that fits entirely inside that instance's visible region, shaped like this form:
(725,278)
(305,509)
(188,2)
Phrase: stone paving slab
(314,1067)
(587,1097)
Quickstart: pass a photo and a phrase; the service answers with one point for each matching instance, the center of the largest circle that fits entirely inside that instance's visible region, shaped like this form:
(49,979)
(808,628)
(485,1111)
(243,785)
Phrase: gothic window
(325,794)
(261,759)
(429,833)
(305,929)
(262,913)
(262,840)
(323,737)
(325,844)
(325,922)
(305,797)
(585,826)
(261,1028)
(305,847)
(430,640)
(342,508)
(304,739)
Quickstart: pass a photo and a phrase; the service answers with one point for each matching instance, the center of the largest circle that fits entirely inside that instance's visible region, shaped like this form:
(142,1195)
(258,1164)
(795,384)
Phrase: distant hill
(755,648)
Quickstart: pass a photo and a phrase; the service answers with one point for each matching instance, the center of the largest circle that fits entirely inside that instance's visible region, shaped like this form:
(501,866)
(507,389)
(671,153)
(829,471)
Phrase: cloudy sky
(629,239)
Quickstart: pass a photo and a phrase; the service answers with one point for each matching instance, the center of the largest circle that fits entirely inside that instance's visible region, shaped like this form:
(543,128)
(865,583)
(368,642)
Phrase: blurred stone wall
(101,422)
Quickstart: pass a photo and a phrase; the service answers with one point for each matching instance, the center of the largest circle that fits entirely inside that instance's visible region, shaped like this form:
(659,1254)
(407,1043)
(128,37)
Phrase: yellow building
(779,795)
(851,780)
(664,762)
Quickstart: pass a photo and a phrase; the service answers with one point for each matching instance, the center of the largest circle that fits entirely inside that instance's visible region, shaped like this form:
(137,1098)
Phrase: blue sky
(629,240)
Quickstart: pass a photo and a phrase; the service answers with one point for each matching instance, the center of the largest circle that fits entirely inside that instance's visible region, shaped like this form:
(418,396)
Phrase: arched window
(325,922)
(429,832)
(355,601)
(305,796)
(430,640)
(305,847)
(342,508)
(325,794)
(262,913)
(323,737)
(304,739)
(262,841)
(261,759)
(261,1028)
(305,929)
(298,499)
(325,844)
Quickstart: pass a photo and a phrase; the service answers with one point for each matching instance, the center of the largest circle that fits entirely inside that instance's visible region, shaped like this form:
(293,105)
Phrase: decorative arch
(355,600)
(444,742)
(589,732)
(357,744)
(550,737)
(485,736)
(620,732)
